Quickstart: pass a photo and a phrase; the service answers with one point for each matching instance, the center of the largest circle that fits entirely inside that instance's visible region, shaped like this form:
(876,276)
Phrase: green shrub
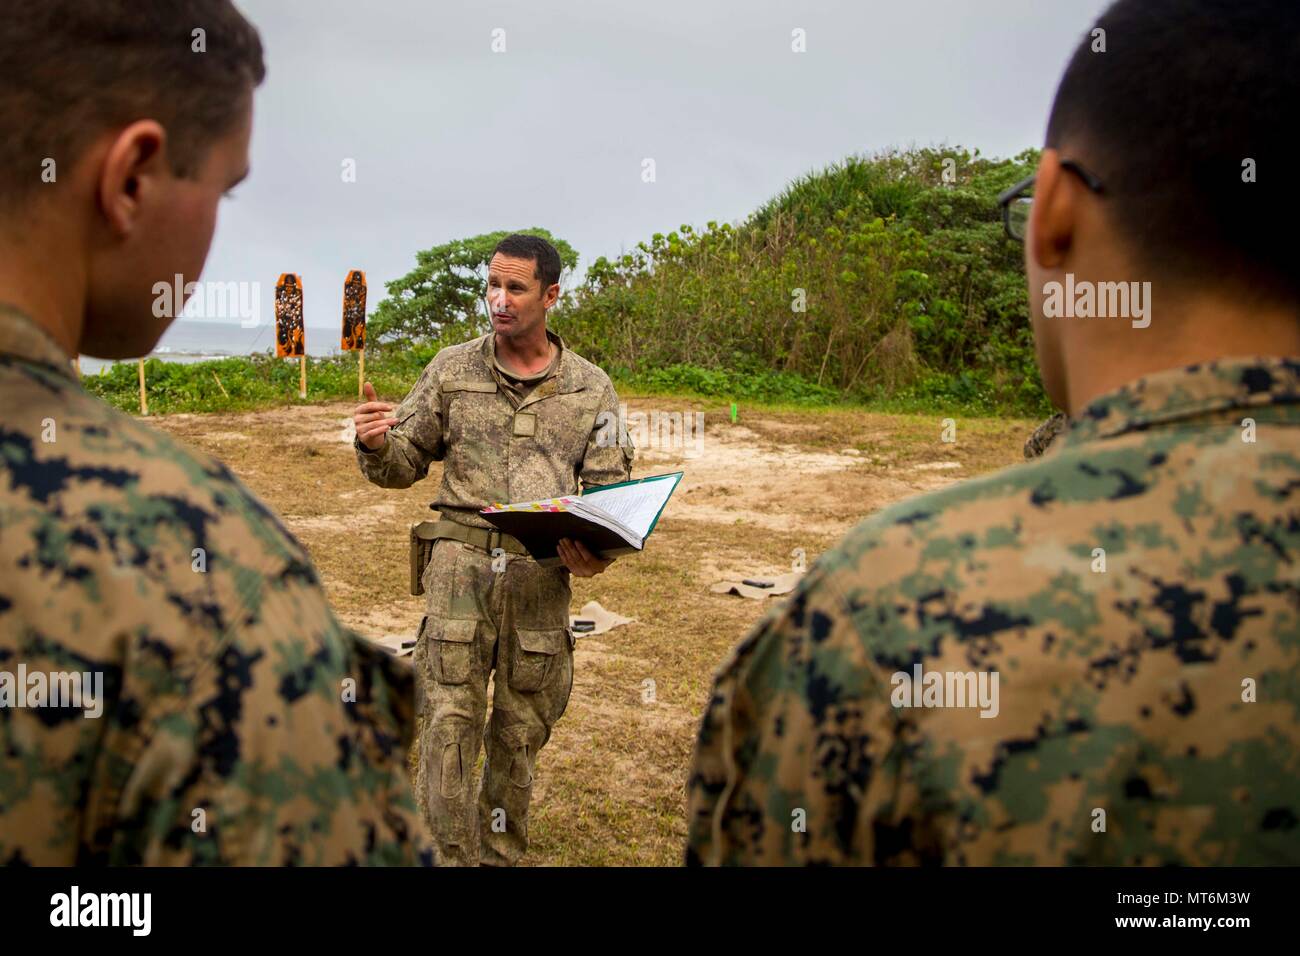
(255,381)
(873,280)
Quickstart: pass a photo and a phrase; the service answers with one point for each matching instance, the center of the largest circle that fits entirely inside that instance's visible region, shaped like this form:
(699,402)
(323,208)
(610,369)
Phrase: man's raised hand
(372,420)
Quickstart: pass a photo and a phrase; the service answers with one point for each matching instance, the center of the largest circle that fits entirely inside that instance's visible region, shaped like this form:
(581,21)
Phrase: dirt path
(610,784)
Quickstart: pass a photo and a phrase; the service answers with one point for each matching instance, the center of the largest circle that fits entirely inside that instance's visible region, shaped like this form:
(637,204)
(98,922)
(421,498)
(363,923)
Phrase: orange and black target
(290,335)
(354,311)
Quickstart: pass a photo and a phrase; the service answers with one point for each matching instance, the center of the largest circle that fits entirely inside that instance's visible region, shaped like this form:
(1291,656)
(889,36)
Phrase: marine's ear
(129,173)
(1052,217)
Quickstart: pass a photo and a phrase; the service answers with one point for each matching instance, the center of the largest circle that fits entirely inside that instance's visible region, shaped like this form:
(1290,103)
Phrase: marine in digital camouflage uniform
(1120,690)
(1132,599)
(238,722)
(241,723)
(490,607)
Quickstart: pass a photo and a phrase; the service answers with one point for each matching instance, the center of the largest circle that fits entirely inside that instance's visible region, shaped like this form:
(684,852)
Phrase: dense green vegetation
(875,280)
(261,381)
(882,280)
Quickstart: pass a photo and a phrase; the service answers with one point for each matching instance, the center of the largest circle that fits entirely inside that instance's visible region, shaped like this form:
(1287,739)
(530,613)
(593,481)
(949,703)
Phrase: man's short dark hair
(1185,93)
(75,68)
(522,246)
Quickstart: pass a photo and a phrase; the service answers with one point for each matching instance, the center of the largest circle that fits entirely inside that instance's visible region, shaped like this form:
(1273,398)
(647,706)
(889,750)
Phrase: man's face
(171,235)
(516,300)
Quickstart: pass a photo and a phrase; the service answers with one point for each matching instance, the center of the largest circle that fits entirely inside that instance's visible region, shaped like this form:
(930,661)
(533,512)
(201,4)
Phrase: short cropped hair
(547,259)
(75,68)
(1189,100)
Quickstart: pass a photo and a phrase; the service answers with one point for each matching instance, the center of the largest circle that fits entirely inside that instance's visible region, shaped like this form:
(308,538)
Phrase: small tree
(441,299)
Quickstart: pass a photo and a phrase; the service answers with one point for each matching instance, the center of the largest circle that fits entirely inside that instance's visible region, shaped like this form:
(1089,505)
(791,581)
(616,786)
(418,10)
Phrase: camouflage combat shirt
(1135,592)
(564,430)
(238,722)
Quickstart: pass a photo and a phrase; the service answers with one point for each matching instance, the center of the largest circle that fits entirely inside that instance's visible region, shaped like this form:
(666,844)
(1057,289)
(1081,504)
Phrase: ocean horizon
(197,340)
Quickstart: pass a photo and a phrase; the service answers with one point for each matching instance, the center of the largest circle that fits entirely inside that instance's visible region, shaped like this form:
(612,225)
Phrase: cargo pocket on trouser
(451,779)
(451,650)
(534,656)
(521,756)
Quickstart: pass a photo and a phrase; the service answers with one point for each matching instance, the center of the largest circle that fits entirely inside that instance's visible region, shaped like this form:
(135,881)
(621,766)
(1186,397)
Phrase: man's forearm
(387,466)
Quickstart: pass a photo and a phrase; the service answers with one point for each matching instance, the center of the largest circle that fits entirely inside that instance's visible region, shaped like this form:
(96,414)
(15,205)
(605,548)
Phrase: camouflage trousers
(504,617)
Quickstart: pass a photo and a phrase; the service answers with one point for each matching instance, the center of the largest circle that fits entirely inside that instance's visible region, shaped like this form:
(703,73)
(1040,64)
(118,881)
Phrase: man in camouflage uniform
(514,416)
(231,719)
(1134,593)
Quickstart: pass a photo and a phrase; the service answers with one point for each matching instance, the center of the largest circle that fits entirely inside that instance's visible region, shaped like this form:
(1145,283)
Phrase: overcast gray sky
(451,139)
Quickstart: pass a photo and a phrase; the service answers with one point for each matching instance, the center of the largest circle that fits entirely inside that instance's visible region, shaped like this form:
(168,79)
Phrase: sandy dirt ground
(756,494)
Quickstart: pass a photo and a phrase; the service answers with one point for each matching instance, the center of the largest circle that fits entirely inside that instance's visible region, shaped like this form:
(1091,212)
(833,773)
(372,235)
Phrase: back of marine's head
(122,124)
(1169,160)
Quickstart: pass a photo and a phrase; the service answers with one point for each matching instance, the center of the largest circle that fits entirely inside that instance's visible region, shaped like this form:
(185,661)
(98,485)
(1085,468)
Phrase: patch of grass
(246,383)
(261,381)
(760,384)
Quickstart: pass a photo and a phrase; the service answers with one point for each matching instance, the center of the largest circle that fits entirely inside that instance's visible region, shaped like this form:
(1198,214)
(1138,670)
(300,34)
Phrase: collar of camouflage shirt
(562,376)
(1271,385)
(23,338)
